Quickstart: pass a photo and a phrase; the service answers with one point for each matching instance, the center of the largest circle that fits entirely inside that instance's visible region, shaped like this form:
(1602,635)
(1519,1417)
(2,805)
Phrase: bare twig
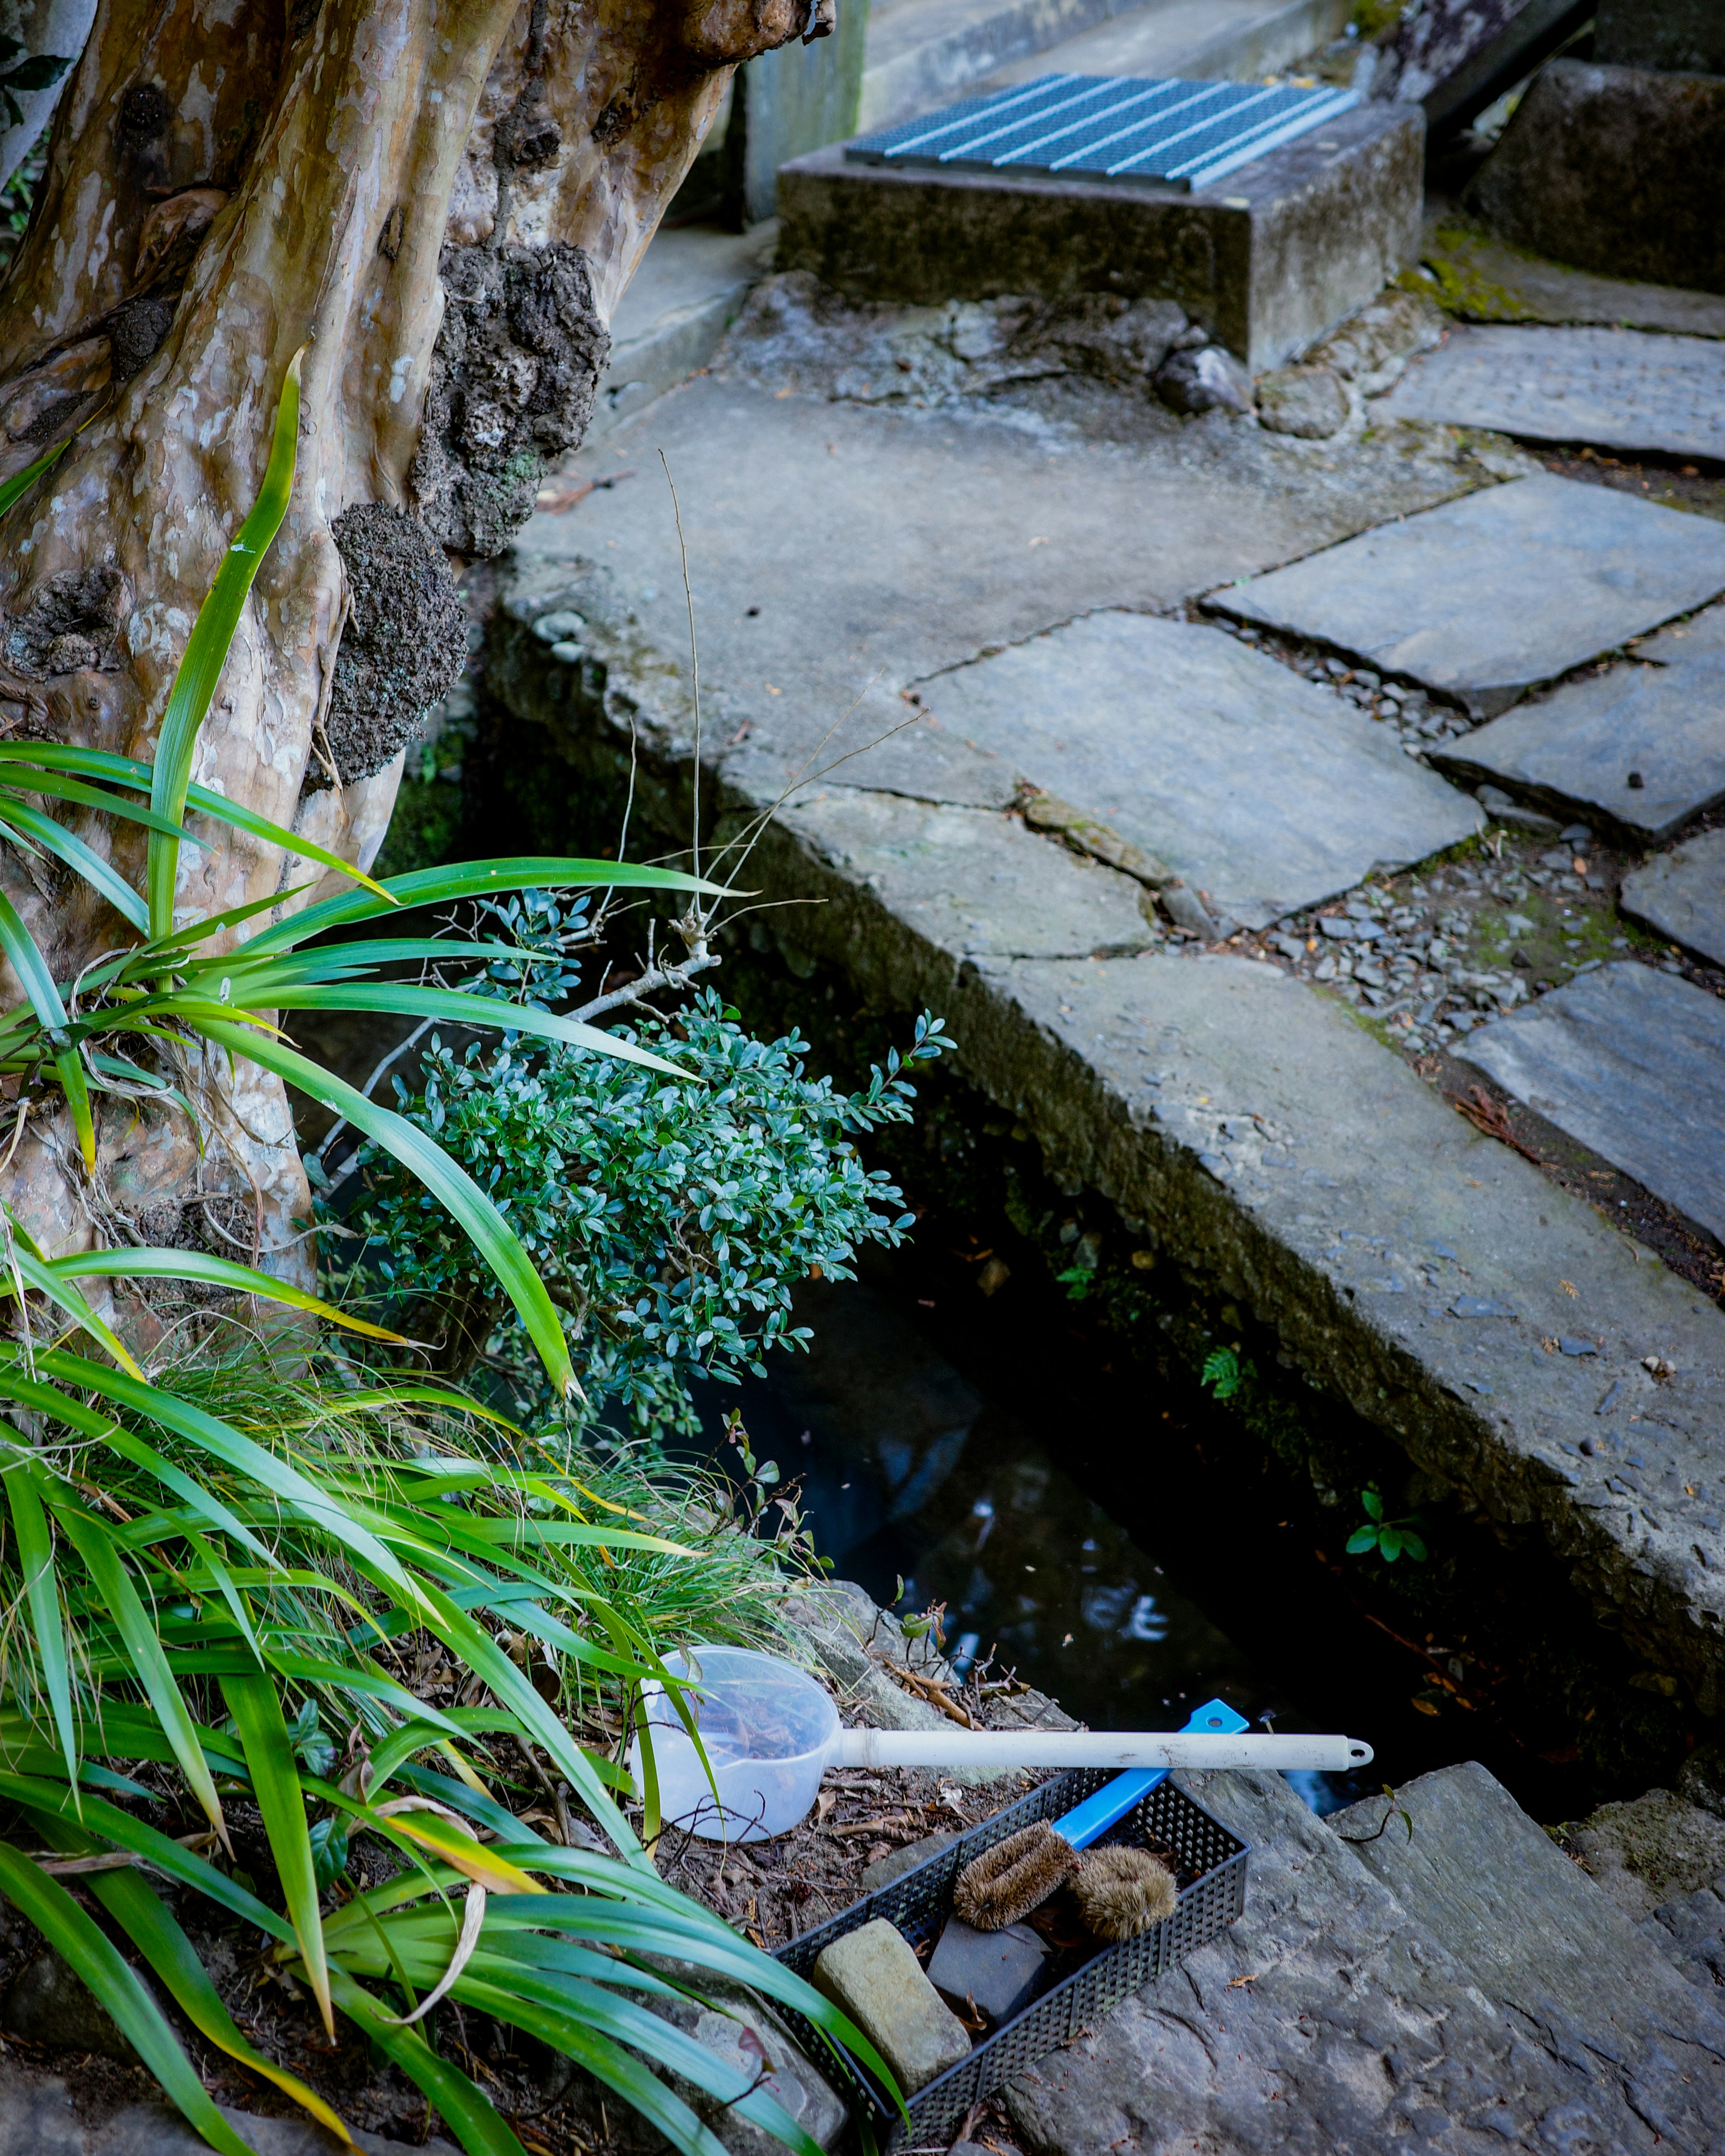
(693,665)
(645,984)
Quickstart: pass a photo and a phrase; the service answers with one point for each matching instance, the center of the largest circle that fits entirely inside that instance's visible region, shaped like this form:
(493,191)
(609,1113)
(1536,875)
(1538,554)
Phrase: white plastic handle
(1092,1747)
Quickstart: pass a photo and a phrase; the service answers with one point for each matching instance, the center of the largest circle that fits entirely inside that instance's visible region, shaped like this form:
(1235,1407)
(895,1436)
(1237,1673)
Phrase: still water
(950,1482)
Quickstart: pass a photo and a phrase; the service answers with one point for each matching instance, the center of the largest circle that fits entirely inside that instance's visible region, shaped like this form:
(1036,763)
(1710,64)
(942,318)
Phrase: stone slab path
(1681,895)
(1702,633)
(1485,597)
(1264,791)
(1618,389)
(840,552)
(1645,744)
(1631,1062)
(1467,1990)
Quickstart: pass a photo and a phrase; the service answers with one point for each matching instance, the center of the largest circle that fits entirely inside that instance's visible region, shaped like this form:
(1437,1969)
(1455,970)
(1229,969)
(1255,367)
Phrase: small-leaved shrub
(669,1220)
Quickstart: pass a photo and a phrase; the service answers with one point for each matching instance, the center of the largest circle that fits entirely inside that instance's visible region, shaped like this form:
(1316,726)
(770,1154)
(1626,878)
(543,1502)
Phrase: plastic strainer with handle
(770,1733)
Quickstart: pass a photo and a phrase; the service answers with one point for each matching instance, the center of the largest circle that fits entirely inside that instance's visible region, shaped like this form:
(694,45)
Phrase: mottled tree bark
(441,200)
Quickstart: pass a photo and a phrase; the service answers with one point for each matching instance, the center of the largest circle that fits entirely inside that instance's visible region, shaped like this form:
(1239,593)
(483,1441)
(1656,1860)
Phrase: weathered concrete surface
(789,101)
(1198,40)
(1269,259)
(1631,1062)
(881,547)
(1645,745)
(926,53)
(1616,169)
(975,882)
(1264,791)
(1470,1991)
(1483,280)
(690,288)
(1620,388)
(1487,596)
(1681,894)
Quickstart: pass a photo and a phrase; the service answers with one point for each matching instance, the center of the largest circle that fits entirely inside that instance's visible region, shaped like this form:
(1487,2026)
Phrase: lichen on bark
(404,646)
(513,378)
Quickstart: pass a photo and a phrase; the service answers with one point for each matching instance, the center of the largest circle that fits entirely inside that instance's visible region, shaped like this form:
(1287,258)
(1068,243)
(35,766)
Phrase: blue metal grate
(1164,133)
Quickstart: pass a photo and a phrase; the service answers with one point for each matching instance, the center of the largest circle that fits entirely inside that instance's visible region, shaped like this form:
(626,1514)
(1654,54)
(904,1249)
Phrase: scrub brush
(1015,1876)
(1122,1891)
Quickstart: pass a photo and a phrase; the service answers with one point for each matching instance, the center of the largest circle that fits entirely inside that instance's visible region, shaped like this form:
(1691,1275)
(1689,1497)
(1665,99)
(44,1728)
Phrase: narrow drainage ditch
(1009,1417)
(1089,1355)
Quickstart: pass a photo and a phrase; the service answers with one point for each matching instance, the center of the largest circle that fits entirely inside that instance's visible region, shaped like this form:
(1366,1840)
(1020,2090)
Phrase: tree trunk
(441,200)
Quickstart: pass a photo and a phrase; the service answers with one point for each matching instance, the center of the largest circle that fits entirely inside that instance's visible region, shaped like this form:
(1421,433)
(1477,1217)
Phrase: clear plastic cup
(769,1732)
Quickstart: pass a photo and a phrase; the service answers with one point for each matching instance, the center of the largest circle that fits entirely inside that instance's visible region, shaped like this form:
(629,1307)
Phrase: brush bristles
(1122,1891)
(1013,1878)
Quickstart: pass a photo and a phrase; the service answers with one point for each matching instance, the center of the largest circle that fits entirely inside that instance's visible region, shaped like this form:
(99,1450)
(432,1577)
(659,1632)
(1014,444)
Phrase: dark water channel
(956,1483)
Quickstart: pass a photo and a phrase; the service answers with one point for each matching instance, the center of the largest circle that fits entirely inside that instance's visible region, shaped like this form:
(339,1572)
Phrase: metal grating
(1180,134)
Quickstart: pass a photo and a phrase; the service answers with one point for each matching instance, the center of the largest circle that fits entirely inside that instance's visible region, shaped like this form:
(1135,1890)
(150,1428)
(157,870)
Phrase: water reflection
(912,1473)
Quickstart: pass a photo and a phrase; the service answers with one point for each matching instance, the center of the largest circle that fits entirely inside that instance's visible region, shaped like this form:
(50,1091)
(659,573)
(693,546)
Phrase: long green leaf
(605,2061)
(256,1708)
(200,800)
(129,771)
(38,825)
(31,967)
(112,1980)
(211,1272)
(331,961)
(21,482)
(58,788)
(35,1550)
(138,1909)
(458,1008)
(92,1539)
(466,2106)
(206,649)
(475,879)
(596,2009)
(37,1272)
(495,1240)
(162,1855)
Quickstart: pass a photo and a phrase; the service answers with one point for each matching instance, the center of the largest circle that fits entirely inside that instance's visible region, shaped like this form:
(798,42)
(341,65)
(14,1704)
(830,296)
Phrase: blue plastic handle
(1116,1799)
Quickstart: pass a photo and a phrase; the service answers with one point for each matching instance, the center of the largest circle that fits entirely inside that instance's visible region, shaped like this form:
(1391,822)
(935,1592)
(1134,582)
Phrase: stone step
(1620,388)
(926,53)
(1206,40)
(1483,281)
(1488,596)
(1427,1972)
(1412,1266)
(1268,257)
(1265,792)
(688,290)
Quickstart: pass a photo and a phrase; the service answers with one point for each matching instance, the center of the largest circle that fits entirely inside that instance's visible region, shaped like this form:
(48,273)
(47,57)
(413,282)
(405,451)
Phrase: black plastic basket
(1207,1859)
